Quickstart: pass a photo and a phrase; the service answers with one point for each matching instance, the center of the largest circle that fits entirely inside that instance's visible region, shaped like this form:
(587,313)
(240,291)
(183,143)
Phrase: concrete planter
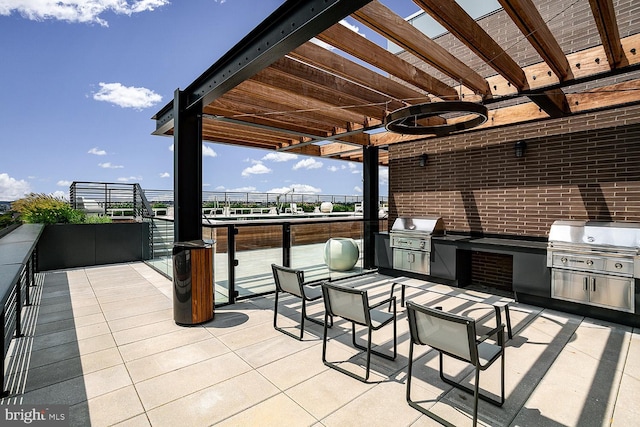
(82,245)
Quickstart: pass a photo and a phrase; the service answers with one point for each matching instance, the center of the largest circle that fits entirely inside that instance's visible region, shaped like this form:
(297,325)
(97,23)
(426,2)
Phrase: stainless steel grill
(411,242)
(595,263)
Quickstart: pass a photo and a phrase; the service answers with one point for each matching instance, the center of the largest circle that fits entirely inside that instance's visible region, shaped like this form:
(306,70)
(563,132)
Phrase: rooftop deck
(103,340)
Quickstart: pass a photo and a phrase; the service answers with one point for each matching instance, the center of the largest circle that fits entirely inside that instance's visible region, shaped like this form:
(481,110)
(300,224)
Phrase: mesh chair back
(288,280)
(446,332)
(348,303)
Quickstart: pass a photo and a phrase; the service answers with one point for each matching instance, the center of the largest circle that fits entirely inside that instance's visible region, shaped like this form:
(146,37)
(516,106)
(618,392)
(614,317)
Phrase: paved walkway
(103,341)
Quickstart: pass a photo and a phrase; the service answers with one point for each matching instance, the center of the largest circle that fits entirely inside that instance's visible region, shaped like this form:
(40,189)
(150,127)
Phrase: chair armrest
(316,282)
(388,300)
(499,331)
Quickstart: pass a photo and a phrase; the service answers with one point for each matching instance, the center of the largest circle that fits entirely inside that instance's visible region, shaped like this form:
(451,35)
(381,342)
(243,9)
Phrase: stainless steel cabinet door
(612,292)
(570,286)
(415,261)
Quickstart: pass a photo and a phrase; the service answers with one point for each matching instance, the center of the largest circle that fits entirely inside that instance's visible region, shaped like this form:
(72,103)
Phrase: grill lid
(596,233)
(432,225)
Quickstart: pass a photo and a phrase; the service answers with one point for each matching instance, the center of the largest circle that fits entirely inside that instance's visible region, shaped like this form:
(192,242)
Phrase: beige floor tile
(278,411)
(138,349)
(626,411)
(141,320)
(170,360)
(384,405)
(137,421)
(323,394)
(216,403)
(108,409)
(190,379)
(106,380)
(145,331)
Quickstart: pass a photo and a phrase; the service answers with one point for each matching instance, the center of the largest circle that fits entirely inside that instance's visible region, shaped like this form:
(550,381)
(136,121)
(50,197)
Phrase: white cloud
(60,195)
(108,165)
(97,151)
(308,163)
(129,179)
(280,157)
(353,28)
(383,175)
(332,168)
(12,189)
(165,175)
(84,11)
(256,169)
(327,46)
(357,189)
(297,189)
(63,183)
(243,190)
(127,97)
(208,151)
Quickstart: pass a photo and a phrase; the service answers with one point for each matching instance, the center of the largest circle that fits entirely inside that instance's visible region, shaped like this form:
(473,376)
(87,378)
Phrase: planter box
(81,245)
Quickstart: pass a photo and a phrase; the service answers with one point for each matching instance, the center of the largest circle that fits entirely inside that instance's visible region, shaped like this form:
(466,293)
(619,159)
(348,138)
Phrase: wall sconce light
(423,159)
(520,147)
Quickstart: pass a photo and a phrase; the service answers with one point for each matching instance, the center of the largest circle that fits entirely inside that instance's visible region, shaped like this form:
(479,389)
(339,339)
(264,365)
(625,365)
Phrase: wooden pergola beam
(605,16)
(527,18)
(454,18)
(348,41)
(321,58)
(385,22)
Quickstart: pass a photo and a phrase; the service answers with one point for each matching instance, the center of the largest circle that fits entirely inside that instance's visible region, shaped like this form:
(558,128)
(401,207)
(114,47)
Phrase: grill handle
(586,285)
(593,284)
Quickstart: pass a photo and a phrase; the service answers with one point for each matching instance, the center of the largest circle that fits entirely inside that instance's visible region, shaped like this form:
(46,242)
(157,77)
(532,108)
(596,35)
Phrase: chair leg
(413,404)
(275,321)
(369,349)
(467,389)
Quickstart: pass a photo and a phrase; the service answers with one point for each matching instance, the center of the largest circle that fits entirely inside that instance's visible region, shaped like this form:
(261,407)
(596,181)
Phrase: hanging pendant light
(407,120)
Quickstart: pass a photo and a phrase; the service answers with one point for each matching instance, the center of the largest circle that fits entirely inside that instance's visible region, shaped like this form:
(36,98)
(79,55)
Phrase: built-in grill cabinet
(411,243)
(595,263)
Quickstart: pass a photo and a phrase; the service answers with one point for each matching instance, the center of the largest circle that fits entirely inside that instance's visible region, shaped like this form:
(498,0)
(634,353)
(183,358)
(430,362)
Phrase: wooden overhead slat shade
(320,101)
(319,57)
(385,22)
(451,16)
(526,16)
(605,17)
(346,40)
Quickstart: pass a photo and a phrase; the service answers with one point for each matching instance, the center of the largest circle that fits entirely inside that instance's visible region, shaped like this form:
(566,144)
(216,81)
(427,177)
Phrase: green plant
(97,219)
(6,219)
(46,209)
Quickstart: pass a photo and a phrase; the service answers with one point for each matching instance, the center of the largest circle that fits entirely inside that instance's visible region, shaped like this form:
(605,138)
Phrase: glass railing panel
(162,245)
(257,247)
(308,241)
(220,262)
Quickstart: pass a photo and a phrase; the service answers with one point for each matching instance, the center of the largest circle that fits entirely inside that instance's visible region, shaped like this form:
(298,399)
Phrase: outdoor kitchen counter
(451,260)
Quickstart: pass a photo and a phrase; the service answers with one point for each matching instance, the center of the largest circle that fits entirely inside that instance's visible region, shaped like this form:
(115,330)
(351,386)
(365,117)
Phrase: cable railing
(117,200)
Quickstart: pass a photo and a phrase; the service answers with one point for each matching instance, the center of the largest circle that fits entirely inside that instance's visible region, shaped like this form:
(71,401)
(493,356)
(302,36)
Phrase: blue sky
(81,81)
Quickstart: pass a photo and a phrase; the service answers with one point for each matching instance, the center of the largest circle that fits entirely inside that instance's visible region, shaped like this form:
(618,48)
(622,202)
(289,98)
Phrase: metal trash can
(193,298)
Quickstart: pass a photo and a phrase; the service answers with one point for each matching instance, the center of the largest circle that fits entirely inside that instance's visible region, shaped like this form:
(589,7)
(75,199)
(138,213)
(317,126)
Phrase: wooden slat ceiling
(317,101)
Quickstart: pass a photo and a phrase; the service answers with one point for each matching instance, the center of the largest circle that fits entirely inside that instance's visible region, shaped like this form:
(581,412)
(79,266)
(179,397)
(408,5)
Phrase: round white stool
(341,253)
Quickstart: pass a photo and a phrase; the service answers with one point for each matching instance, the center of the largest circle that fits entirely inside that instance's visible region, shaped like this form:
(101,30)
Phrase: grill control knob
(618,265)
(563,260)
(422,245)
(589,262)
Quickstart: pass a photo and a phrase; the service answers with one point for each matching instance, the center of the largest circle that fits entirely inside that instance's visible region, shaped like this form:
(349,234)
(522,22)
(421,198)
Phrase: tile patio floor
(103,341)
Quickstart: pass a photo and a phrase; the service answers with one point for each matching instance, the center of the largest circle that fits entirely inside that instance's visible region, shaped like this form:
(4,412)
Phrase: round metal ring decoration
(404,120)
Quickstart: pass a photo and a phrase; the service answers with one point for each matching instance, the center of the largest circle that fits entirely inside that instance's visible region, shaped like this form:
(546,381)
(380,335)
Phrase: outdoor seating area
(92,344)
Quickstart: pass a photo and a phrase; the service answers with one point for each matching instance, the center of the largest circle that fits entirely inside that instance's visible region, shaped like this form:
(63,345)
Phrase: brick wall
(583,167)
(582,34)
(493,270)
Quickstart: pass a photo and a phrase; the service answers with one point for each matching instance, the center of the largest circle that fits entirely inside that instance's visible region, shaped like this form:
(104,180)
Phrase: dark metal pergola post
(187,169)
(370,204)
